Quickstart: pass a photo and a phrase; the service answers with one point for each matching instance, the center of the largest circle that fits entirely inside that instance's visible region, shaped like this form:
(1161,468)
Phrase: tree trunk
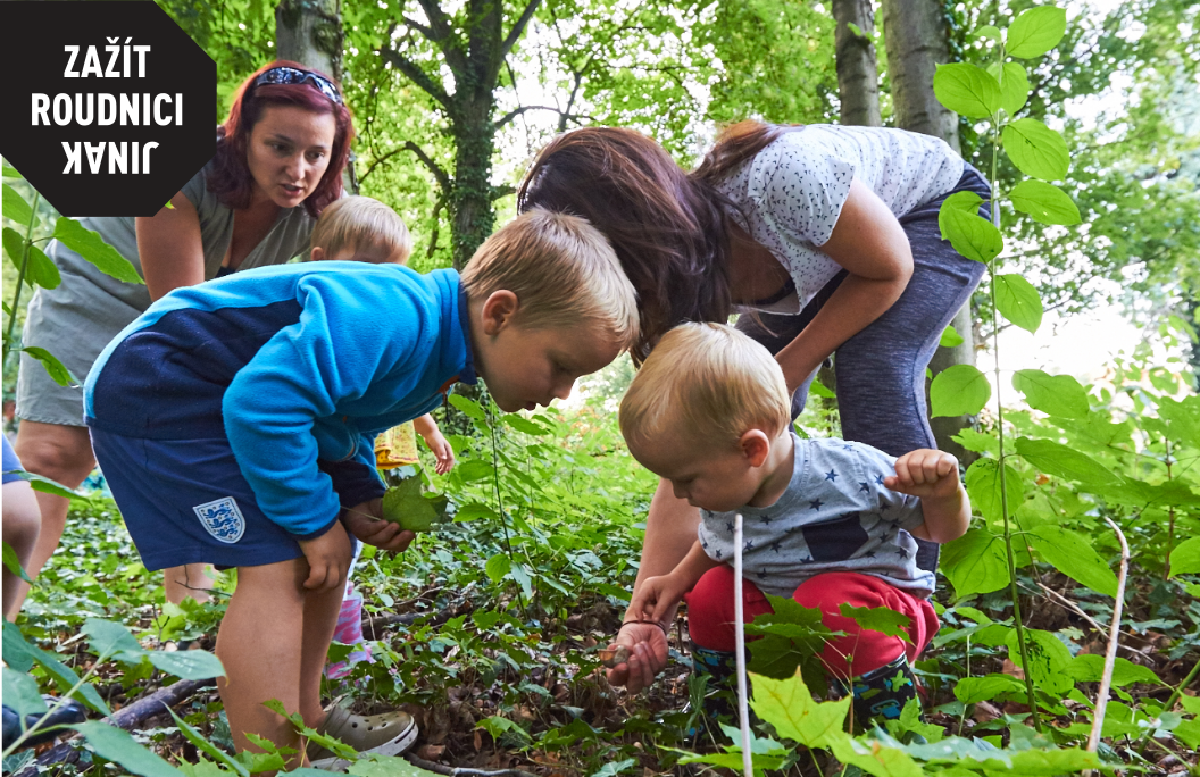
(858,82)
(310,32)
(916,38)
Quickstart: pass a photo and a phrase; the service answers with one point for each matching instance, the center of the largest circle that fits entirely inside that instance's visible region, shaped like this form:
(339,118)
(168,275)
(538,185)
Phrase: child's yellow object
(397,447)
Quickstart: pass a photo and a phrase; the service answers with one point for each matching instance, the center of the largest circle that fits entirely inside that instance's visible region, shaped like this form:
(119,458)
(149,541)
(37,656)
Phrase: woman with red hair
(279,162)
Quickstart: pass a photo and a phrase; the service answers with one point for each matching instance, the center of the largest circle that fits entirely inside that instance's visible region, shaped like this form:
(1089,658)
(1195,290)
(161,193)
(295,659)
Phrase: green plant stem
(1008,533)
(1174,697)
(1170,522)
(492,424)
(12,318)
(63,699)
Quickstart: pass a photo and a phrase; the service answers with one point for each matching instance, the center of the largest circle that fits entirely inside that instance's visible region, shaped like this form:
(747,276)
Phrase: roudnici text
(107,109)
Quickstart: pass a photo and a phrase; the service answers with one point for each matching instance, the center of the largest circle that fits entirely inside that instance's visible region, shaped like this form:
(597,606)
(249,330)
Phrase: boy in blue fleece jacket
(235,421)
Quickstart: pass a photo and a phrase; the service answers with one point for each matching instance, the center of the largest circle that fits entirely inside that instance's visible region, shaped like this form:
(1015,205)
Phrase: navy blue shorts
(11,462)
(186,502)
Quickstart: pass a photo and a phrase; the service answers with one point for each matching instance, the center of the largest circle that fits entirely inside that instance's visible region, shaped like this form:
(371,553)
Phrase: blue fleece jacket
(299,366)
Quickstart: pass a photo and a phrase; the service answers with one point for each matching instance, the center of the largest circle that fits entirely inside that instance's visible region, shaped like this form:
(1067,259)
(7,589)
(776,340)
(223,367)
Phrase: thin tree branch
(502,191)
(518,28)
(515,112)
(443,178)
(419,77)
(421,28)
(1110,657)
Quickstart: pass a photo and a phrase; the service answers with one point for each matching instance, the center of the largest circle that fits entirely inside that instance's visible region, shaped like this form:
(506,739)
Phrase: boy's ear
(755,447)
(316,254)
(498,311)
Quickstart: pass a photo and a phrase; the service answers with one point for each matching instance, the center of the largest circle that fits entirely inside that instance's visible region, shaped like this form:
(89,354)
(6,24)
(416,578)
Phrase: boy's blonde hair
(562,270)
(705,383)
(372,230)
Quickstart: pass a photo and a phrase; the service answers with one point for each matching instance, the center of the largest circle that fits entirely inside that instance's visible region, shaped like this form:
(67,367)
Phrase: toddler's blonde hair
(372,230)
(563,271)
(705,383)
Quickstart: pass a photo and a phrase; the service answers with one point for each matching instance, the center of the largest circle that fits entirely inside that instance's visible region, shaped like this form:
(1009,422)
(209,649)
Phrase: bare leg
(63,454)
(320,618)
(21,521)
(189,580)
(259,644)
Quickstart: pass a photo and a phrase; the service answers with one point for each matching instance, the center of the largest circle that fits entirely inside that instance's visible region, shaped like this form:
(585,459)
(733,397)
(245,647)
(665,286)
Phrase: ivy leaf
(1072,554)
(1036,31)
(114,744)
(15,207)
(1059,460)
(959,390)
(1045,203)
(1014,87)
(1036,149)
(1049,660)
(983,486)
(1185,558)
(975,563)
(971,690)
(1018,300)
(92,247)
(498,567)
(1088,668)
(970,234)
(57,370)
(1056,395)
(789,707)
(950,337)
(881,619)
(966,89)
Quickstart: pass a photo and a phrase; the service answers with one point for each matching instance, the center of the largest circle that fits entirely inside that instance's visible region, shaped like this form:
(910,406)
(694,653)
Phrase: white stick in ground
(739,647)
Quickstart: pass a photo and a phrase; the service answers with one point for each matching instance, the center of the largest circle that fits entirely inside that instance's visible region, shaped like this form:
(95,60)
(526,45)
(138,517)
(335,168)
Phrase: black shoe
(69,713)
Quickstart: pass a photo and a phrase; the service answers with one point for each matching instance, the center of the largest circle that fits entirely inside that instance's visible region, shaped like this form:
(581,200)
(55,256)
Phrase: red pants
(710,616)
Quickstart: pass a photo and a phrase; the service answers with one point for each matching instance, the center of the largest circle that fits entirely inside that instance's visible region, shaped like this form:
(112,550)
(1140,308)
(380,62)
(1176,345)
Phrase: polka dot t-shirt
(790,195)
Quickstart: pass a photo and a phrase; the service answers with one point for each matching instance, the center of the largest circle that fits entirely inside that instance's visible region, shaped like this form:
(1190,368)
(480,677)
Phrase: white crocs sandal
(389,733)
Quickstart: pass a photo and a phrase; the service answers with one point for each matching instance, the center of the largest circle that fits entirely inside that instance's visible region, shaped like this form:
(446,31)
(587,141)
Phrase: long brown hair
(667,227)
(231,180)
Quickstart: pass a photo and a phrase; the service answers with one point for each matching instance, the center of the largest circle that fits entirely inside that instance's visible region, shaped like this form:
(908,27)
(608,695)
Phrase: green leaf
(469,407)
(970,234)
(523,425)
(1088,668)
(57,370)
(950,337)
(881,619)
(1182,417)
(1049,660)
(789,707)
(1036,31)
(205,746)
(114,744)
(875,759)
(1018,301)
(110,639)
(405,505)
(498,567)
(1036,149)
(1056,395)
(975,563)
(15,207)
(1059,460)
(13,564)
(21,693)
(39,270)
(92,247)
(188,664)
(988,32)
(11,172)
(983,486)
(374,765)
(1014,87)
(1185,558)
(474,469)
(1188,732)
(45,485)
(818,389)
(1072,554)
(21,656)
(1045,202)
(959,390)
(966,89)
(971,690)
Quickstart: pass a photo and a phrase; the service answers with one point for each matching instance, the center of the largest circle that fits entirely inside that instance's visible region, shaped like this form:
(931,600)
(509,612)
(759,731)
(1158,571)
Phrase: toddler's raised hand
(925,473)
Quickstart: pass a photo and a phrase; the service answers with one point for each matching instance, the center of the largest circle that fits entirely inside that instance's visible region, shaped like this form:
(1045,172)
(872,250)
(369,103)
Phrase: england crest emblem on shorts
(222,519)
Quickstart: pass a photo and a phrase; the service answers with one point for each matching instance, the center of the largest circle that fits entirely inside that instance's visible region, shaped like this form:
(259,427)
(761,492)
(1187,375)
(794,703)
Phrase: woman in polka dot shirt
(826,235)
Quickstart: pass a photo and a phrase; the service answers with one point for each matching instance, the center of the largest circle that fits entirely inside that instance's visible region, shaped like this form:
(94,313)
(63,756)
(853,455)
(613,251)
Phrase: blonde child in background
(360,229)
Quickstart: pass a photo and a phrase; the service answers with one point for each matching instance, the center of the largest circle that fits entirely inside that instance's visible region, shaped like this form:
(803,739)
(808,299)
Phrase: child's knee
(21,516)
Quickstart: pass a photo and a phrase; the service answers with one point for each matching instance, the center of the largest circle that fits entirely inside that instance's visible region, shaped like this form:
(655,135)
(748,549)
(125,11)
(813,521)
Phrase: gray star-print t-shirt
(835,516)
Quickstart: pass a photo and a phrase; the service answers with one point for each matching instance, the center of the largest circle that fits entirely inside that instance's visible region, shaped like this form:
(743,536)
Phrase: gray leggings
(880,371)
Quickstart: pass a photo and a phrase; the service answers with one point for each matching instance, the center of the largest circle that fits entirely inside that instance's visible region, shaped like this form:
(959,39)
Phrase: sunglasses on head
(292,75)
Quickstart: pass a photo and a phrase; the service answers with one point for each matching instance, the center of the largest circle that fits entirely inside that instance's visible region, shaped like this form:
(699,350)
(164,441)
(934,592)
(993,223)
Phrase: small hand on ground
(646,645)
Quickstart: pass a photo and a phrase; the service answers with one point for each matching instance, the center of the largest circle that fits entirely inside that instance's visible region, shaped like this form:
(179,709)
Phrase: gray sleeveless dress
(75,321)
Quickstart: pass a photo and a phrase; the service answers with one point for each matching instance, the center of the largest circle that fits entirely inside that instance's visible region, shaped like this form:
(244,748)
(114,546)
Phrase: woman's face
(288,152)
